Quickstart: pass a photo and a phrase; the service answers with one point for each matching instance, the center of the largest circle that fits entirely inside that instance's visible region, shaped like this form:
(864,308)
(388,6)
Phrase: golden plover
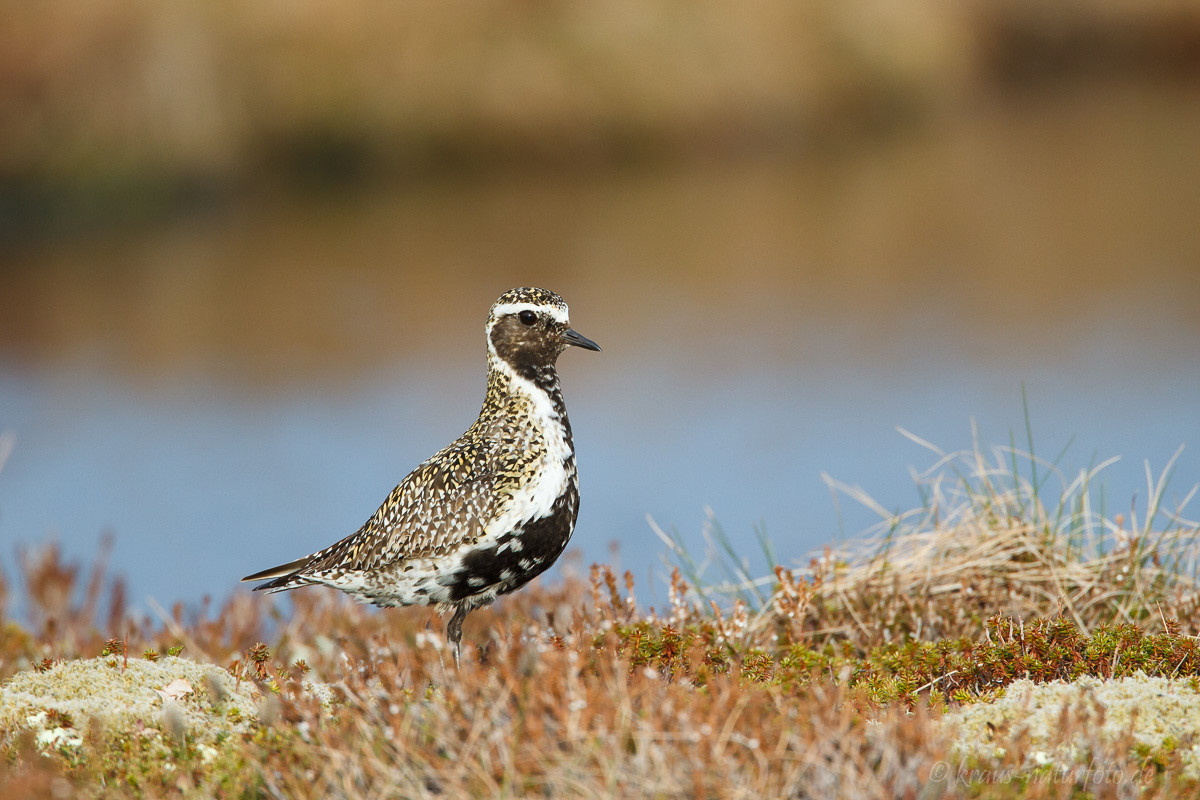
(487,514)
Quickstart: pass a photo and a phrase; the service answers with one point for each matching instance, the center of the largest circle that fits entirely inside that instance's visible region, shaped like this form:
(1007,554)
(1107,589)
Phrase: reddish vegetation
(843,680)
(575,690)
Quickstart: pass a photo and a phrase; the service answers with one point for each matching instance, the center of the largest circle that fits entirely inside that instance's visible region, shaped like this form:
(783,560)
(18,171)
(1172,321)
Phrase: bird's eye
(527,317)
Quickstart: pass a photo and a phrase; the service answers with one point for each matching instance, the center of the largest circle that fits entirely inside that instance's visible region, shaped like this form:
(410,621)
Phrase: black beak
(572,337)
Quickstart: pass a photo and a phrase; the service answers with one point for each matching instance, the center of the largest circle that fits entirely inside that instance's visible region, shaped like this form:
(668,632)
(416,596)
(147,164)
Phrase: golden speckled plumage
(489,512)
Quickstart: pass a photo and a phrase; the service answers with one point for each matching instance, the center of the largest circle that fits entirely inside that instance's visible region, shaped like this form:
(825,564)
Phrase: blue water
(202,482)
(236,390)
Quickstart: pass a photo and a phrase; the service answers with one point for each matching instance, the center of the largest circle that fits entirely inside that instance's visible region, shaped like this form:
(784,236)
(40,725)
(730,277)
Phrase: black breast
(538,544)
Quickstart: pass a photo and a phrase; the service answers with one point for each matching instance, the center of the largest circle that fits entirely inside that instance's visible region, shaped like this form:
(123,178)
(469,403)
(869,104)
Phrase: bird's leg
(454,631)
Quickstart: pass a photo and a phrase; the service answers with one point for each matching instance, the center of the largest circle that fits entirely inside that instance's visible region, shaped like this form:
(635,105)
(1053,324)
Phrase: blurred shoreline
(1036,218)
(121,111)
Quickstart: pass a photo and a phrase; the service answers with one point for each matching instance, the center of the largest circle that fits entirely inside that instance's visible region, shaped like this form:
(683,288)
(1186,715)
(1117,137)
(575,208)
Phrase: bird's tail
(283,577)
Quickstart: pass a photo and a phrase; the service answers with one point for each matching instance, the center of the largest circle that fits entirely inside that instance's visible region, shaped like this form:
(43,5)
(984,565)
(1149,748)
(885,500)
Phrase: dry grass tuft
(989,539)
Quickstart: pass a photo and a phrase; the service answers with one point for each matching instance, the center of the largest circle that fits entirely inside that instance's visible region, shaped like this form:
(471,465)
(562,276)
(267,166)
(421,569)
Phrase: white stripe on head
(555,312)
(506,309)
(514,301)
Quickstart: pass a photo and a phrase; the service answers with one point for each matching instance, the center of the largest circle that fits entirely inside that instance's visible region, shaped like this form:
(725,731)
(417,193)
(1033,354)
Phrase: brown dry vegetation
(835,686)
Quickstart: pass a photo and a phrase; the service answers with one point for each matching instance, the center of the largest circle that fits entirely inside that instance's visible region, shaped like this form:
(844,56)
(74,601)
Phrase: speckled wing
(442,504)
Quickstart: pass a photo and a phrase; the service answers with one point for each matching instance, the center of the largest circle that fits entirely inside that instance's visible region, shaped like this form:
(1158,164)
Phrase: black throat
(535,364)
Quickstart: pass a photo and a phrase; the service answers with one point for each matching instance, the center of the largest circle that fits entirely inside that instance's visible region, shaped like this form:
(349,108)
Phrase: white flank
(552,476)
(534,501)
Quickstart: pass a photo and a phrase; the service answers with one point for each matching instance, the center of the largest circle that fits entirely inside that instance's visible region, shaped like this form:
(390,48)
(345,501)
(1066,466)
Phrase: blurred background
(246,254)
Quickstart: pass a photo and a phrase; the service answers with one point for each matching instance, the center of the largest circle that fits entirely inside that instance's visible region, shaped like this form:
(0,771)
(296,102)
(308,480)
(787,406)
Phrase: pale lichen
(1157,712)
(59,703)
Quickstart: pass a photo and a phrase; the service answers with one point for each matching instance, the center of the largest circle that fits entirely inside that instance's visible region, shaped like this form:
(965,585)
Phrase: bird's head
(528,329)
